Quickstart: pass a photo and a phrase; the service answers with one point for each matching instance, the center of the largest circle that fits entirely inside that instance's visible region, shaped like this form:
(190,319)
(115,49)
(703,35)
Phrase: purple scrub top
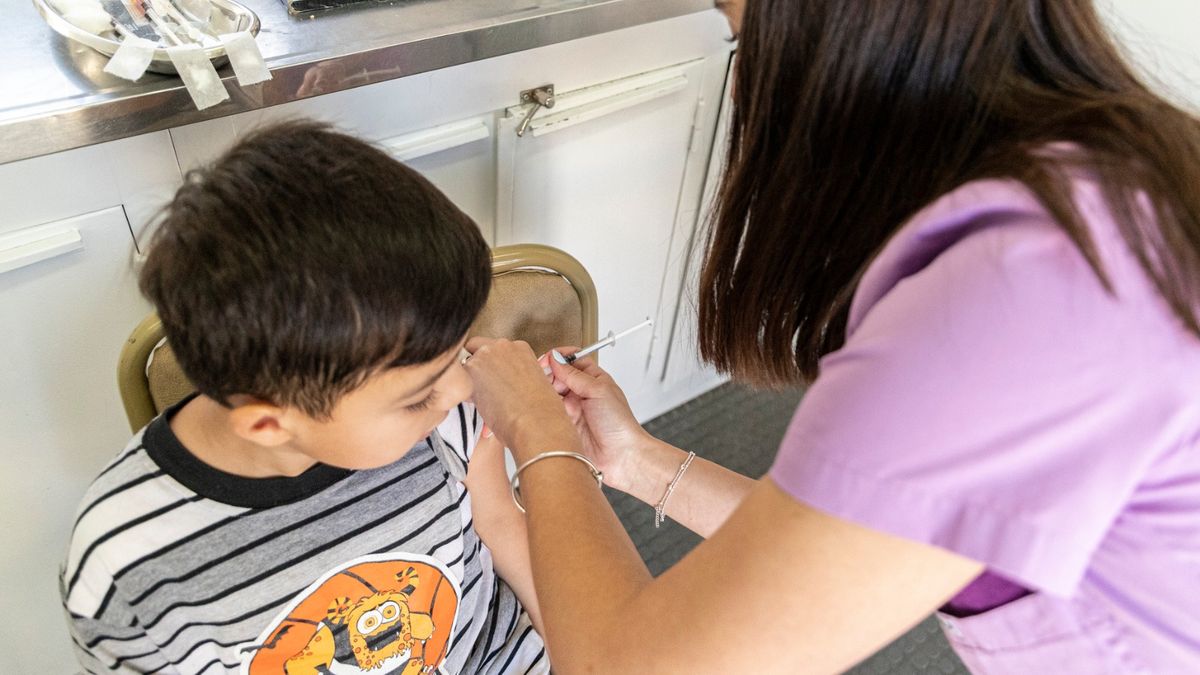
(993,399)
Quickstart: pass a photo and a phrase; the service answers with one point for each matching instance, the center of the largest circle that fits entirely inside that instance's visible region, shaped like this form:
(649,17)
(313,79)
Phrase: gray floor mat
(741,428)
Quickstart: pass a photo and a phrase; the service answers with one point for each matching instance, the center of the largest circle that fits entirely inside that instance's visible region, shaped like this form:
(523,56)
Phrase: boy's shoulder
(129,490)
(115,487)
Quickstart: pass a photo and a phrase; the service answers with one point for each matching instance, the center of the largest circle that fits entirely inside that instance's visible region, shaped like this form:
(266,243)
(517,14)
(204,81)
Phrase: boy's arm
(104,633)
(500,525)
(104,648)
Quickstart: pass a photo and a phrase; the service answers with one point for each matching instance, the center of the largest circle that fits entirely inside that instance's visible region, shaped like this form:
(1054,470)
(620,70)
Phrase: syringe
(610,339)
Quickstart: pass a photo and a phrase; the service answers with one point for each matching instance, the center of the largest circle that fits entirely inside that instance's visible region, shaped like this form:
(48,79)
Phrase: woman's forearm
(585,566)
(704,497)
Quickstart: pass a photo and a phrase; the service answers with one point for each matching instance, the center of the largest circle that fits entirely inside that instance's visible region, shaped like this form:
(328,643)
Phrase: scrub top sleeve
(988,404)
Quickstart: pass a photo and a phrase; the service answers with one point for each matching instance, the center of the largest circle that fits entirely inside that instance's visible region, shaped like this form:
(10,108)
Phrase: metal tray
(227,17)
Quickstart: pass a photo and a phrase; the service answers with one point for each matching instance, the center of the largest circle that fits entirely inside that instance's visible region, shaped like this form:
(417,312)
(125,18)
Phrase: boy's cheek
(367,447)
(434,422)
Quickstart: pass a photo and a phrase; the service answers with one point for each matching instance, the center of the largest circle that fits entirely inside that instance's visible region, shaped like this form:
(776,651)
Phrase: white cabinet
(608,174)
(677,364)
(138,174)
(68,299)
(460,159)
(65,312)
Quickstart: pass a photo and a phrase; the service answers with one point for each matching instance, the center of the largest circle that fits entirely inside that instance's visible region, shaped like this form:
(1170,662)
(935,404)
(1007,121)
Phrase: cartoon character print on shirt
(377,615)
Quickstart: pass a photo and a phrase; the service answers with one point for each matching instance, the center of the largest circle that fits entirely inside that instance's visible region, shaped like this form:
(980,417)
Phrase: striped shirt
(176,567)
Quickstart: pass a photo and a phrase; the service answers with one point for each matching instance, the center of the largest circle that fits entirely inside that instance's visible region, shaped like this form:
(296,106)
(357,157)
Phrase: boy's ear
(260,422)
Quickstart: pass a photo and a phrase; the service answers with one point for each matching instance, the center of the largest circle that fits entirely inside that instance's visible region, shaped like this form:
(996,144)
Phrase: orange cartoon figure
(383,617)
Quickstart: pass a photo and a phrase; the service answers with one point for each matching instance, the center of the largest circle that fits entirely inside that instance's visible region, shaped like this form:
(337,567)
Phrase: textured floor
(740,429)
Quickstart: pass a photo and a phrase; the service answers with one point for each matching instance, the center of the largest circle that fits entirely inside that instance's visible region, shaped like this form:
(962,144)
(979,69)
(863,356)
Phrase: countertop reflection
(55,96)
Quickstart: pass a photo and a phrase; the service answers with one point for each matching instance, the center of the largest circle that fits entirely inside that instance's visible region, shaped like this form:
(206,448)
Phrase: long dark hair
(850,115)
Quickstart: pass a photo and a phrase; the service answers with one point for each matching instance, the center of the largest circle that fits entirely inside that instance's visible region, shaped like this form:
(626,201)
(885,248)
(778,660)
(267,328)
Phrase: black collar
(256,493)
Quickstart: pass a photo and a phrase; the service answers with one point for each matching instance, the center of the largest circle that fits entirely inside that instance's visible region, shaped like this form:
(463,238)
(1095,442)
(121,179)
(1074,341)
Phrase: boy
(305,512)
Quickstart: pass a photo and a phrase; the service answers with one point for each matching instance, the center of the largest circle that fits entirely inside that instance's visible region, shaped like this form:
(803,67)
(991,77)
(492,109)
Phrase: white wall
(1161,37)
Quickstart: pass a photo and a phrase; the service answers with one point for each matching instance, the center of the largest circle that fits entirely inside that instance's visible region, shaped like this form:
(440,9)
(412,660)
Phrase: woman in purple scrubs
(976,235)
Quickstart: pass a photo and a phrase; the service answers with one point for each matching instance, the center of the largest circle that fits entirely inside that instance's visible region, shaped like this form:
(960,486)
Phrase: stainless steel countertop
(54,95)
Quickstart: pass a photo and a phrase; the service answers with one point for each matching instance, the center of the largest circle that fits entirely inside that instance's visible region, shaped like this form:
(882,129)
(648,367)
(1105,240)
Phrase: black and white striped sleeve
(105,648)
(461,430)
(474,428)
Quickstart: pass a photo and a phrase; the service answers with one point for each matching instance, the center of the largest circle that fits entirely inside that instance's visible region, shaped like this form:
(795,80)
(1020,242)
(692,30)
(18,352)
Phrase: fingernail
(546,370)
(558,357)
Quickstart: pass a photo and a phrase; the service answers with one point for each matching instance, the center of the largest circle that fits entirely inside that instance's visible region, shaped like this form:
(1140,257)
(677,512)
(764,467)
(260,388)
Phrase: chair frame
(131,366)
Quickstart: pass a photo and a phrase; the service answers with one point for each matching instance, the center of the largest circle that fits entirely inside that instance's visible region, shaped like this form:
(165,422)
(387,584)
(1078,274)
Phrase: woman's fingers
(573,379)
(588,365)
(582,377)
(508,348)
(544,361)
(515,400)
(473,344)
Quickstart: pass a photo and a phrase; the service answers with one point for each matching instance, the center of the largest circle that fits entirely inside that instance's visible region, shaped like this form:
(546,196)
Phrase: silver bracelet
(514,483)
(661,508)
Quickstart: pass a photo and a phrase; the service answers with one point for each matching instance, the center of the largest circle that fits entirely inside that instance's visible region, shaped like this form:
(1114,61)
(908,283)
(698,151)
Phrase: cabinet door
(68,300)
(600,176)
(460,159)
(682,376)
(139,173)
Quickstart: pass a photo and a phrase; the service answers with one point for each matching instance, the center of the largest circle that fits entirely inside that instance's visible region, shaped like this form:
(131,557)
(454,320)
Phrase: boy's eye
(423,404)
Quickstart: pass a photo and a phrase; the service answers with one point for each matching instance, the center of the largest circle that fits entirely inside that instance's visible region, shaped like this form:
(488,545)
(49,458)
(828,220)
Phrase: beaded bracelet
(513,485)
(661,508)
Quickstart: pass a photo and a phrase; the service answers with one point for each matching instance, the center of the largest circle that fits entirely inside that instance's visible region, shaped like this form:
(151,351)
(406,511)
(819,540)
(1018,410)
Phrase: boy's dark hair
(303,261)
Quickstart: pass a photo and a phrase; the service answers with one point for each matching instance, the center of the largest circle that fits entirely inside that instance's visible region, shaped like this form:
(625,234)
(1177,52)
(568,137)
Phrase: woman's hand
(611,435)
(516,399)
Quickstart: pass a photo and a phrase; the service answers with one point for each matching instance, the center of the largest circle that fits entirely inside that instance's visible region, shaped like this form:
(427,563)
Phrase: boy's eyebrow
(433,378)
